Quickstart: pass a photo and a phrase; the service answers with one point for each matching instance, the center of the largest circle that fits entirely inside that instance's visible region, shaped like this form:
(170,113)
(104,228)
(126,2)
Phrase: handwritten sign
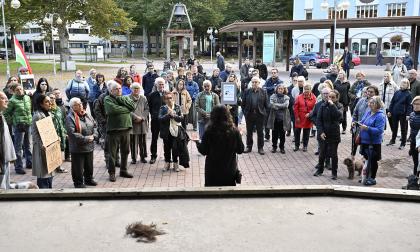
(51,143)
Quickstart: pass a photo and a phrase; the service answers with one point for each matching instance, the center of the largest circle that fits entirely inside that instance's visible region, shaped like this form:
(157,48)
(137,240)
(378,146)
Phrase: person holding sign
(39,164)
(80,128)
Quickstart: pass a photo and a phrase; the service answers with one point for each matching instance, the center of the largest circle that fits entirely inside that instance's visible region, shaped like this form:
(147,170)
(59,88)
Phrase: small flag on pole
(20,55)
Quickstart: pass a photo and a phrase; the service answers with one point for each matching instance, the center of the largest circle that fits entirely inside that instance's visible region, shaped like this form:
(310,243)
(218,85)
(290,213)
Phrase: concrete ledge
(273,191)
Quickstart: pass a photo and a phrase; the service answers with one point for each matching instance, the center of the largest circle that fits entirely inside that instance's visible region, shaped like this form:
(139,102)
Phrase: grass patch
(37,68)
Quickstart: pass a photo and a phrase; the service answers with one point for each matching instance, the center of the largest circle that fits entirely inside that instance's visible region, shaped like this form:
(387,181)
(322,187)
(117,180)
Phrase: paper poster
(269,48)
(228,94)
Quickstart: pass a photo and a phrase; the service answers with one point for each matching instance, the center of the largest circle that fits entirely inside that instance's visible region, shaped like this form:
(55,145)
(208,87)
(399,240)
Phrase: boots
(176,167)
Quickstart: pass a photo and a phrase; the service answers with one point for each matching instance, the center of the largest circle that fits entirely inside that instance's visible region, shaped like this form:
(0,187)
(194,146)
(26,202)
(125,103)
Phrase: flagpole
(5,40)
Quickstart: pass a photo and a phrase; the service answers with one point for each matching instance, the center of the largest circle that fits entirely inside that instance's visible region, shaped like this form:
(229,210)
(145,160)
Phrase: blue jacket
(414,125)
(224,75)
(91,82)
(376,126)
(271,84)
(148,81)
(126,90)
(192,88)
(96,91)
(401,103)
(78,89)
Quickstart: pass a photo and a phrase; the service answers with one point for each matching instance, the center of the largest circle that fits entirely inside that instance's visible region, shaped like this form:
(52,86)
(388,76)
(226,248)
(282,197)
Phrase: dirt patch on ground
(395,167)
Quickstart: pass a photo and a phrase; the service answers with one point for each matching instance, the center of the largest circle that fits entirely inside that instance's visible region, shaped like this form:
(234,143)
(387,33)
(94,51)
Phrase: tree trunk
(64,45)
(145,42)
(158,43)
(129,52)
(149,49)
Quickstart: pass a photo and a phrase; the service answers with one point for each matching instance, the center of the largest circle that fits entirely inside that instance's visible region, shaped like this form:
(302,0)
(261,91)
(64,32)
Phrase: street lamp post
(344,5)
(15,4)
(212,32)
(49,19)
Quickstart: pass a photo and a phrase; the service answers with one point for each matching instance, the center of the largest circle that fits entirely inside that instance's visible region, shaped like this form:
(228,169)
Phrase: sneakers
(318,173)
(176,167)
(125,174)
(305,149)
(370,182)
(167,166)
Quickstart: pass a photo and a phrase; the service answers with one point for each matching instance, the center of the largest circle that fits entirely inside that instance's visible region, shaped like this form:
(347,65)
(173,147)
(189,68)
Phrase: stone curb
(161,193)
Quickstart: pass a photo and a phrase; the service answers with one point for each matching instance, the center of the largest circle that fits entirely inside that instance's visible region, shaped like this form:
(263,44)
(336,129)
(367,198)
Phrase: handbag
(238,176)
(357,139)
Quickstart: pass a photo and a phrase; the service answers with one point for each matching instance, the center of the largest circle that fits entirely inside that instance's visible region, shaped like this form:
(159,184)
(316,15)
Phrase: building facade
(366,42)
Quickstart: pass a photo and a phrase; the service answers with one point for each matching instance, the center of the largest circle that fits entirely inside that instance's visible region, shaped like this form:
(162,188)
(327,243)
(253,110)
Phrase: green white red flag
(20,55)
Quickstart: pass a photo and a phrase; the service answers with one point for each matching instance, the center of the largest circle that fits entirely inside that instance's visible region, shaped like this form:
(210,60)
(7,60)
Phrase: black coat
(155,101)
(164,119)
(220,147)
(263,101)
(328,121)
(343,89)
(263,72)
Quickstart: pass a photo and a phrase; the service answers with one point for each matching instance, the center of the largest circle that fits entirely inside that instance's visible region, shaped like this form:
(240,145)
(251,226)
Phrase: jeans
(240,115)
(44,183)
(401,119)
(326,151)
(278,132)
(305,138)
(155,128)
(169,150)
(5,178)
(201,127)
(254,120)
(81,167)
(22,141)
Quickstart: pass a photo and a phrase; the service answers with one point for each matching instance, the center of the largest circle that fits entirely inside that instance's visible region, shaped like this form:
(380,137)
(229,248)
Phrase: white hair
(159,79)
(73,101)
(135,85)
(228,65)
(91,70)
(109,85)
(207,82)
(114,85)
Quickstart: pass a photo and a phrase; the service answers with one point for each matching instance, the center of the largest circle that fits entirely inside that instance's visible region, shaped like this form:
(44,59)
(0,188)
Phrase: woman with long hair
(220,143)
(42,87)
(183,99)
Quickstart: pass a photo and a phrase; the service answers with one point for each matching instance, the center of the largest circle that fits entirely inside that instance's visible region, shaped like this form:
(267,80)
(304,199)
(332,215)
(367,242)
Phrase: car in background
(305,57)
(3,53)
(324,61)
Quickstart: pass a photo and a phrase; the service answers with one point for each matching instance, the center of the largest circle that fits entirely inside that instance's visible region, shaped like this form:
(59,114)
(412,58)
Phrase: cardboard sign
(27,81)
(229,93)
(51,143)
(47,131)
(53,156)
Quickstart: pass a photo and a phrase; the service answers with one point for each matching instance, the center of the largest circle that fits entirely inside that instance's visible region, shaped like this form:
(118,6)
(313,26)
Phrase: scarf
(173,125)
(77,116)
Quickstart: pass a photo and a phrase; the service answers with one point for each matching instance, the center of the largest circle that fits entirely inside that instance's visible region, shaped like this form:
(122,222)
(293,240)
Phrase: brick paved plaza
(292,168)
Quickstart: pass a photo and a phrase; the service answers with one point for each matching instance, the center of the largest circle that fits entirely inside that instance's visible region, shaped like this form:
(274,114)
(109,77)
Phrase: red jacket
(302,107)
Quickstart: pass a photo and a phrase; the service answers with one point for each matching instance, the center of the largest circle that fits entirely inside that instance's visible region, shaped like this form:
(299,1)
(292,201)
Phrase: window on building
(396,9)
(36,30)
(78,31)
(405,46)
(340,14)
(366,11)
(372,48)
(355,47)
(386,48)
(77,45)
(308,14)
(24,31)
(307,47)
(363,46)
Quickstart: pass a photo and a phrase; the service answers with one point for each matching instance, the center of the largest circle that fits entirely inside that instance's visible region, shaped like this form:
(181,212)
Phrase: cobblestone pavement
(292,168)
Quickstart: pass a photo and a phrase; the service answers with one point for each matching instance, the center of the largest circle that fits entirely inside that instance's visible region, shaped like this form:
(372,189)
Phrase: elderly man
(226,72)
(7,151)
(204,104)
(414,83)
(155,101)
(254,105)
(220,61)
(118,109)
(78,87)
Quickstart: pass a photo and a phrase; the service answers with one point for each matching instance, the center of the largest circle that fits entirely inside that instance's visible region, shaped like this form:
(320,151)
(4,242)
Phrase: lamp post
(15,4)
(212,32)
(49,19)
(344,5)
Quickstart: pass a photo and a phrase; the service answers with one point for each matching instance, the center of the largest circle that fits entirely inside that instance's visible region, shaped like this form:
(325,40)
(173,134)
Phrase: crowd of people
(118,113)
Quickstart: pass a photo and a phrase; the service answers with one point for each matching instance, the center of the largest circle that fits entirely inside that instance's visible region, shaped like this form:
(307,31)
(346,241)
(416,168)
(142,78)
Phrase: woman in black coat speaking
(220,143)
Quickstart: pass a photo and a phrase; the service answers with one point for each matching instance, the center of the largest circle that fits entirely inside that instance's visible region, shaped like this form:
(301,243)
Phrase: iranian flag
(20,55)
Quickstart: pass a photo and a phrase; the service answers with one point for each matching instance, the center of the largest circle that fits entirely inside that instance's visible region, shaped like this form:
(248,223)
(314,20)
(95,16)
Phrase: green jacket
(19,110)
(59,121)
(118,110)
(200,105)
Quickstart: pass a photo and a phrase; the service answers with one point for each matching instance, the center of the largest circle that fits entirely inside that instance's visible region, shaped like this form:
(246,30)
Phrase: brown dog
(353,166)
